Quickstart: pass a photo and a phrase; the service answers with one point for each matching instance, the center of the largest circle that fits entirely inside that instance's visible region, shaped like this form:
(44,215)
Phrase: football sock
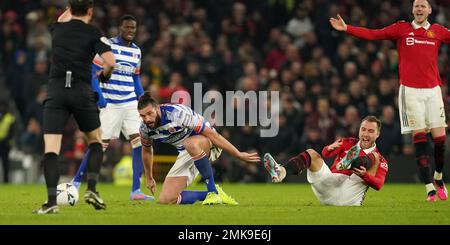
(138,168)
(95,158)
(429,188)
(203,165)
(438,179)
(437,176)
(439,151)
(82,169)
(51,174)
(297,164)
(422,156)
(190,197)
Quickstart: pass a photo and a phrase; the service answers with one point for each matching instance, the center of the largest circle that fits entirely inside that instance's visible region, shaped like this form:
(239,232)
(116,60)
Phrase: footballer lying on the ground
(358,165)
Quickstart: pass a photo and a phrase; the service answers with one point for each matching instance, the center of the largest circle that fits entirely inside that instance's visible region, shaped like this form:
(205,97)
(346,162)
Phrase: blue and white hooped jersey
(120,90)
(178,122)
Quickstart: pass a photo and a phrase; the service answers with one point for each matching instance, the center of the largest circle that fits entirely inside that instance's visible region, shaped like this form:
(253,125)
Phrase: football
(66,194)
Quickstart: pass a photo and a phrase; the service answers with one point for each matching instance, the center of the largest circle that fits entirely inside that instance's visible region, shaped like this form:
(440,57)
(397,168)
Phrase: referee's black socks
(51,174)
(95,159)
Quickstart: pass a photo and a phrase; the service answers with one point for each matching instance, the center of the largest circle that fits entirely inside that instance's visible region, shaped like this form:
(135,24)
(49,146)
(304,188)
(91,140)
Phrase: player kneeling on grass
(358,165)
(198,145)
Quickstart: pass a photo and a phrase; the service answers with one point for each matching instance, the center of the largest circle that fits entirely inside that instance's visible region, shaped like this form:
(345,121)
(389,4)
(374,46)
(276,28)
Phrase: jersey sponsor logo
(411,41)
(105,41)
(411,34)
(124,68)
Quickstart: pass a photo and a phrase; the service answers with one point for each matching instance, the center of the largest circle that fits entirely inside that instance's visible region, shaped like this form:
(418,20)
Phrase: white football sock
(282,173)
(430,187)
(437,176)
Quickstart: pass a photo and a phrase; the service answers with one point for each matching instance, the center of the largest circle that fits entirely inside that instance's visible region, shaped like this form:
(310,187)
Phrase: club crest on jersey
(430,34)
(172,130)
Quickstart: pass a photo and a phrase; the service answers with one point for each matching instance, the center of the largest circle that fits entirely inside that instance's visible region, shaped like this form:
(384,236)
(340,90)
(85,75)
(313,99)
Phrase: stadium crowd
(327,81)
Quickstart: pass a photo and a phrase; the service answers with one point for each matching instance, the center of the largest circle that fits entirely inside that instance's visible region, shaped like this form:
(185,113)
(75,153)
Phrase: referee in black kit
(74,45)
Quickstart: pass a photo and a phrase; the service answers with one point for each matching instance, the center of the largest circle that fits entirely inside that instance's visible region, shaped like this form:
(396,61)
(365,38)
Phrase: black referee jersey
(74,45)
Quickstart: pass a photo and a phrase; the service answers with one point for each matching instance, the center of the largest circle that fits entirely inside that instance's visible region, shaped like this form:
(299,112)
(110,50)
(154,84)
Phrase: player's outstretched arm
(147,160)
(223,143)
(338,23)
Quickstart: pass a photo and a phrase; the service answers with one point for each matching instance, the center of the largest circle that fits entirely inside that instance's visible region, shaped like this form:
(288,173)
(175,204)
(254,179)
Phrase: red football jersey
(417,50)
(376,181)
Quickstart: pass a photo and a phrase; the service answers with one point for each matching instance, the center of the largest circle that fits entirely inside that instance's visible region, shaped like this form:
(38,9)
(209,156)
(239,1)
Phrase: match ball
(66,194)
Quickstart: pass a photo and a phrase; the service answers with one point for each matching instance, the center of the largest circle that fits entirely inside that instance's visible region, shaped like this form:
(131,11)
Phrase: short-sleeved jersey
(119,91)
(74,45)
(417,47)
(341,152)
(178,122)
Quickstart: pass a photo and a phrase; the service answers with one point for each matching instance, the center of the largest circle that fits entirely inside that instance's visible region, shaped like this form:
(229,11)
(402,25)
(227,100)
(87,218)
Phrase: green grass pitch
(263,204)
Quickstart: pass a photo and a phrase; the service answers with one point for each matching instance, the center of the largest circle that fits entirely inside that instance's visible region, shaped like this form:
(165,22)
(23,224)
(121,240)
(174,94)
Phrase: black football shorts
(79,100)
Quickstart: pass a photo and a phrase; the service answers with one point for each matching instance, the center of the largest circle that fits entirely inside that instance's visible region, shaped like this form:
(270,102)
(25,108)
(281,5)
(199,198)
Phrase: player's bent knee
(314,154)
(192,148)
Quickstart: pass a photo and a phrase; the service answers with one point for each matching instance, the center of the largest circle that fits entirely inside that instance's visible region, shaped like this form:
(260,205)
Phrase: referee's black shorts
(79,100)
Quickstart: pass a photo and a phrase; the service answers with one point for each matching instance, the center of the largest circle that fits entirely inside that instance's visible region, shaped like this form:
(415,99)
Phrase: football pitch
(260,204)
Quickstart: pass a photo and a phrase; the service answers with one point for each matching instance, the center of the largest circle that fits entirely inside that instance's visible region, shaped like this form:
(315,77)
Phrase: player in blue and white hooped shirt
(118,100)
(198,145)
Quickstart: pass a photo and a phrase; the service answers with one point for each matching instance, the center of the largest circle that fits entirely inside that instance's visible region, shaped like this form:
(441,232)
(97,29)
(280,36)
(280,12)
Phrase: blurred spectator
(324,119)
(390,139)
(7,121)
(31,141)
(175,84)
(372,108)
(34,81)
(311,139)
(299,26)
(79,148)
(123,171)
(350,122)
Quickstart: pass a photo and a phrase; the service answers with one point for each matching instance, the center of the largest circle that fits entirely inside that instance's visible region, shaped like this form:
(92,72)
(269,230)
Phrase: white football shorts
(337,189)
(184,165)
(116,120)
(420,108)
